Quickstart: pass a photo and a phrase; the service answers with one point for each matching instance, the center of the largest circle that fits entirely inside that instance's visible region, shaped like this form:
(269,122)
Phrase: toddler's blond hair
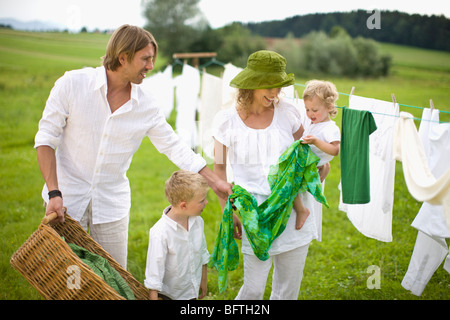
(184,186)
(326,91)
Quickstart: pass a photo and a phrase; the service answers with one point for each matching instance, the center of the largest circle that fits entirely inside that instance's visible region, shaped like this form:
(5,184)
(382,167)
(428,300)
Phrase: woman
(252,136)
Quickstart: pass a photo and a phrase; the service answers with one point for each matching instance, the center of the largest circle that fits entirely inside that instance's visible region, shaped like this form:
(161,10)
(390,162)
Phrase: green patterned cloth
(103,269)
(295,172)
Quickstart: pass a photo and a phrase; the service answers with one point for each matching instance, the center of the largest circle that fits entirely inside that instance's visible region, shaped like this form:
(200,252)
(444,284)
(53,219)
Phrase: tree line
(340,44)
(431,32)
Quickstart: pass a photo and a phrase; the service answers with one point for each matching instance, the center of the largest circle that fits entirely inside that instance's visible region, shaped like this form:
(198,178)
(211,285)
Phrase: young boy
(177,255)
(323,135)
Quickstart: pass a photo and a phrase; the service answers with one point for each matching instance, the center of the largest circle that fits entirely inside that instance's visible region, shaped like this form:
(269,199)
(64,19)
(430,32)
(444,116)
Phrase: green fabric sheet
(357,125)
(102,268)
(295,172)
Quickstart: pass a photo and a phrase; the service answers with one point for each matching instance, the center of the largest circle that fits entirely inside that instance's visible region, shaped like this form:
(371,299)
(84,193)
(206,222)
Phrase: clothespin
(393,99)
(431,105)
(350,95)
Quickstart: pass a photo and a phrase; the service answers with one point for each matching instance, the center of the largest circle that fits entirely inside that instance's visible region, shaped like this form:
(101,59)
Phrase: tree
(340,55)
(237,44)
(175,24)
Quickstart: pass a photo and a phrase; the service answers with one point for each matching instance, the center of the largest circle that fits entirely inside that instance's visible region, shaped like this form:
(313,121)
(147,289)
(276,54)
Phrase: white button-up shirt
(94,147)
(175,257)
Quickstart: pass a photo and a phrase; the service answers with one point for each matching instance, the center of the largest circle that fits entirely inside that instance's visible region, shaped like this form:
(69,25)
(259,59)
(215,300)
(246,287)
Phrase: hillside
(423,31)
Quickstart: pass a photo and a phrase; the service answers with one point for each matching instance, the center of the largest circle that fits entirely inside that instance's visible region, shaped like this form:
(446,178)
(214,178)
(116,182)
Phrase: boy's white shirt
(175,257)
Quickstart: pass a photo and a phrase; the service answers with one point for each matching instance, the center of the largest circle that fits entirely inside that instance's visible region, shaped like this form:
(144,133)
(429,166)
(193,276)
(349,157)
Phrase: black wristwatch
(54,193)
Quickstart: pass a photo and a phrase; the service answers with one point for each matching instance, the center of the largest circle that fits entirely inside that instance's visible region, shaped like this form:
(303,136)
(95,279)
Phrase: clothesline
(402,105)
(396,116)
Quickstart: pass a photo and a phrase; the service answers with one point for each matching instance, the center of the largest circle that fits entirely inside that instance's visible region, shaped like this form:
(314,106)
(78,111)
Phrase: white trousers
(286,278)
(427,256)
(112,236)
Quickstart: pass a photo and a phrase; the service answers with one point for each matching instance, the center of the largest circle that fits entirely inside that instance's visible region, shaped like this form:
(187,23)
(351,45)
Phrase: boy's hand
(202,292)
(153,295)
(203,282)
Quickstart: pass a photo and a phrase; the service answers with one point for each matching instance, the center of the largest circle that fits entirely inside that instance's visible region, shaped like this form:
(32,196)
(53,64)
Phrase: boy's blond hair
(326,91)
(184,186)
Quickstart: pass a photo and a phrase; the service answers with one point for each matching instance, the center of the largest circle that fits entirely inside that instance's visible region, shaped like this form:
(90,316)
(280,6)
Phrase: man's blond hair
(127,39)
(326,92)
(184,186)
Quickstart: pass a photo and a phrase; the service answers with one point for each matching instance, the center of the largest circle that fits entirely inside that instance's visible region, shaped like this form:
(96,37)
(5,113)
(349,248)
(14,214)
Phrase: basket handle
(51,216)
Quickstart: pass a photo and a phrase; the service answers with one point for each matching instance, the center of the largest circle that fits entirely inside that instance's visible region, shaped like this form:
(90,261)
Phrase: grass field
(336,268)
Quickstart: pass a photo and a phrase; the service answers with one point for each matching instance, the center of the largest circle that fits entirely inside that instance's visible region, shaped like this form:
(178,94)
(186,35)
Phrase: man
(95,119)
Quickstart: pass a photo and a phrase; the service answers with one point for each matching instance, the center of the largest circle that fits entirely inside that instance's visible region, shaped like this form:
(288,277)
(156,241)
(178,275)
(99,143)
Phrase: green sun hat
(265,70)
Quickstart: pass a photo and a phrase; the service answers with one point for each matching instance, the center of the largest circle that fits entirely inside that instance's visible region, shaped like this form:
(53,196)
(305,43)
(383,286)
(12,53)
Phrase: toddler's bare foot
(301,218)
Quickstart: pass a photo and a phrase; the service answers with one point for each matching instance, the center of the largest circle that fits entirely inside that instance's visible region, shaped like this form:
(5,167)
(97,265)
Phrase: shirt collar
(173,224)
(100,78)
(170,222)
(134,92)
(100,81)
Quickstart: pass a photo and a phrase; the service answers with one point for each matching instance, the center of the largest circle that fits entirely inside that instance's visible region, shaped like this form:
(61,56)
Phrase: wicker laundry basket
(47,263)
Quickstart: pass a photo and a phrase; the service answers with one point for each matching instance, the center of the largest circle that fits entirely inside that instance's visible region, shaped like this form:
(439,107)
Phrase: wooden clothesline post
(195,56)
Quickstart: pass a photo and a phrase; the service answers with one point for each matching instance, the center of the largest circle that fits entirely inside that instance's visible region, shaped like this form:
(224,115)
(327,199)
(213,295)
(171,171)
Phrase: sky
(110,14)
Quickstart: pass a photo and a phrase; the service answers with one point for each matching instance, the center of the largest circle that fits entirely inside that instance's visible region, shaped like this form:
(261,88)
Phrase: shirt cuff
(198,164)
(153,285)
(43,139)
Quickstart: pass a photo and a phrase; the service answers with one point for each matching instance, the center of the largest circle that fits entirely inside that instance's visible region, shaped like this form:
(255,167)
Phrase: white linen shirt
(94,147)
(175,257)
(251,152)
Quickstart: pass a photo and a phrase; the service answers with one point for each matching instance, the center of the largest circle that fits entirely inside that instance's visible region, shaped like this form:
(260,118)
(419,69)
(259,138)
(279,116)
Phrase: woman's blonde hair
(127,39)
(184,186)
(245,98)
(326,92)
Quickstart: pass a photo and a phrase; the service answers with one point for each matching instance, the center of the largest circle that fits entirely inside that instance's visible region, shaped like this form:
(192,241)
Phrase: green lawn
(336,268)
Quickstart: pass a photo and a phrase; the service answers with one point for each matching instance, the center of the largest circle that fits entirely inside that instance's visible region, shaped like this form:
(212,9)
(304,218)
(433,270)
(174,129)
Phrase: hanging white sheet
(187,93)
(161,85)
(210,104)
(374,219)
(229,93)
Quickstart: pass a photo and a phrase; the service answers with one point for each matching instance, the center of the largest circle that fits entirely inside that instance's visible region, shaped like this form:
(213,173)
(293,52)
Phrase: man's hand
(55,205)
(221,187)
